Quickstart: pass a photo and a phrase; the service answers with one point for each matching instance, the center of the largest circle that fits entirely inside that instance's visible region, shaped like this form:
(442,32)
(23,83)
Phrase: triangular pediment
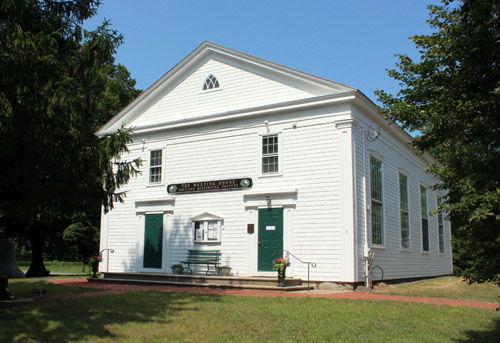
(205,216)
(243,82)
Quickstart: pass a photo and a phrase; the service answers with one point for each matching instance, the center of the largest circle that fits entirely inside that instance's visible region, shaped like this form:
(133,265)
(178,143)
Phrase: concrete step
(191,284)
(204,279)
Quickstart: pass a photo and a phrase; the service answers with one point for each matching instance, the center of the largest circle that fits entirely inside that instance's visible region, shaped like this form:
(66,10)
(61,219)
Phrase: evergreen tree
(58,84)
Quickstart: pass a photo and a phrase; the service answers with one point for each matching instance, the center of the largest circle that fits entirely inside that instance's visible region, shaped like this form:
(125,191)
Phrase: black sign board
(209,186)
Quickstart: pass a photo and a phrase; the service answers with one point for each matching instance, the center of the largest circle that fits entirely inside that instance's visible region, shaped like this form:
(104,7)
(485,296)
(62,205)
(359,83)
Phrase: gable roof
(206,49)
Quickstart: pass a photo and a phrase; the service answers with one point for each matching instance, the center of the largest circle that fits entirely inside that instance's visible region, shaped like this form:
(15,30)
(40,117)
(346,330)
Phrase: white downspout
(366,248)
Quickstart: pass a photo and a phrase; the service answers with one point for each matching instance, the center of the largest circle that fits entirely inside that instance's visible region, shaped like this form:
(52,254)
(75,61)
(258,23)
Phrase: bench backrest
(204,255)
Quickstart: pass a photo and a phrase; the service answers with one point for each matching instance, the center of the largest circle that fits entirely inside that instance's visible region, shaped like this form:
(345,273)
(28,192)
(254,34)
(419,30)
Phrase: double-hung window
(376,201)
(425,218)
(440,226)
(270,158)
(155,166)
(403,211)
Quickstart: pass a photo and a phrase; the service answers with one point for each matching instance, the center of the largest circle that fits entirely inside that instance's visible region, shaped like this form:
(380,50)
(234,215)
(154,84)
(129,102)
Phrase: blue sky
(352,42)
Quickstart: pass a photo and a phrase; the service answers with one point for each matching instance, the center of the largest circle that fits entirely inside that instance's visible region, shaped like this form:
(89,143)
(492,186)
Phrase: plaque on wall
(209,186)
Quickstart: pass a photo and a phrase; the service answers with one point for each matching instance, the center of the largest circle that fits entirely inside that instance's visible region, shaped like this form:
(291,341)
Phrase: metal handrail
(309,264)
(107,258)
(371,259)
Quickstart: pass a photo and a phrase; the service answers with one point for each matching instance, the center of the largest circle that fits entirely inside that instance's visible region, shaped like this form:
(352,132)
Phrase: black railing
(309,265)
(107,257)
(371,269)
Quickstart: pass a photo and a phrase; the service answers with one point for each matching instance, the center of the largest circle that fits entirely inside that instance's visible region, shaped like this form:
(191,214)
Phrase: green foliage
(451,96)
(82,235)
(115,172)
(59,83)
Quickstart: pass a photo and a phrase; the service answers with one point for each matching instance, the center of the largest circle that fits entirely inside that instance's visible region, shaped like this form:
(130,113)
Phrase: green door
(153,241)
(270,237)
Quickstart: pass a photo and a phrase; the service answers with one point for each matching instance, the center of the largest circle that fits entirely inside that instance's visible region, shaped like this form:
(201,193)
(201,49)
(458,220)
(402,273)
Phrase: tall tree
(58,84)
(451,95)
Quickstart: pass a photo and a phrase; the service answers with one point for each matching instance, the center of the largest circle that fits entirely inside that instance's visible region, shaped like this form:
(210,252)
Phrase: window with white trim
(270,159)
(211,82)
(440,226)
(155,166)
(377,204)
(207,231)
(404,216)
(425,218)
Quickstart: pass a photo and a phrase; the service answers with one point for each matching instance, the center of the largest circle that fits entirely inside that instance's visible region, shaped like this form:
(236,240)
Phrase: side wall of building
(396,157)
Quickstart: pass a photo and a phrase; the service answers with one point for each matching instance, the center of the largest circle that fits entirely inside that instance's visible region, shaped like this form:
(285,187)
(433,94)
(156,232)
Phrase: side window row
(377,210)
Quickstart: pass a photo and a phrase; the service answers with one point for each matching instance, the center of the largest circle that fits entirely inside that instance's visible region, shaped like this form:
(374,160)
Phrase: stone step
(204,279)
(207,285)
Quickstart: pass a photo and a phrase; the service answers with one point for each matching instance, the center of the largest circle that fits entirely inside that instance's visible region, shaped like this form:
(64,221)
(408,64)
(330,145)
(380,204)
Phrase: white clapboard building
(254,159)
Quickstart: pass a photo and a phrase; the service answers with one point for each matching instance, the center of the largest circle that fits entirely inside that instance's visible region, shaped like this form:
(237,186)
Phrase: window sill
(270,175)
(378,247)
(155,184)
(405,251)
(425,252)
(206,91)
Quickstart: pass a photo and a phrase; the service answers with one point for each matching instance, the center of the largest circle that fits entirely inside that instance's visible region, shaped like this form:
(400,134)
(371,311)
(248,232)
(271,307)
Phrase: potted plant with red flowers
(94,264)
(280,265)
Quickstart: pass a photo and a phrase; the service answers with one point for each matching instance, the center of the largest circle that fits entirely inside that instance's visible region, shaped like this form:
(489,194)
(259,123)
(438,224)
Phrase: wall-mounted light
(372,134)
(268,200)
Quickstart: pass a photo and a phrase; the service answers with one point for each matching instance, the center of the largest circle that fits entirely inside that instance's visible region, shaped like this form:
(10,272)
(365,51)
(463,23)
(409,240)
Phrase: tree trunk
(37,268)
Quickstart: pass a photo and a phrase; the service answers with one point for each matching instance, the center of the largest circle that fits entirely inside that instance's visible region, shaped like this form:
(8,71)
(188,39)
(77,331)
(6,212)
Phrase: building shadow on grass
(77,319)
(492,334)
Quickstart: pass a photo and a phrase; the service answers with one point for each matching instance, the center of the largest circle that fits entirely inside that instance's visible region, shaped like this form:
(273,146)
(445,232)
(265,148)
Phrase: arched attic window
(211,82)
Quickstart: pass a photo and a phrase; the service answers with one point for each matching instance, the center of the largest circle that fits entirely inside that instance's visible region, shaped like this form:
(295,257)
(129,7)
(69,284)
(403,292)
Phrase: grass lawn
(179,317)
(445,287)
(58,267)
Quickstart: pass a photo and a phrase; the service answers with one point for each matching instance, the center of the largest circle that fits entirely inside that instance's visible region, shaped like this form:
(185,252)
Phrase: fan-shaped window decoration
(210,83)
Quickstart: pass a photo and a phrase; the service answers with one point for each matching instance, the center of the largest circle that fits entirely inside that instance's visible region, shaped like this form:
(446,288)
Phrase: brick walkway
(109,288)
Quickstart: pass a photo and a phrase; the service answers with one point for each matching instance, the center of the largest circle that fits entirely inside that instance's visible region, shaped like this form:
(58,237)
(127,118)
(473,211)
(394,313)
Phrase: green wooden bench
(203,257)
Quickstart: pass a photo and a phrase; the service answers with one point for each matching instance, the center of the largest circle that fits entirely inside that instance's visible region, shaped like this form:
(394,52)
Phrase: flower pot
(282,277)
(224,271)
(177,269)
(95,268)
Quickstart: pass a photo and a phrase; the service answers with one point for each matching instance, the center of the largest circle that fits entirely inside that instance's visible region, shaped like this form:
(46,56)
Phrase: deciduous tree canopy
(451,97)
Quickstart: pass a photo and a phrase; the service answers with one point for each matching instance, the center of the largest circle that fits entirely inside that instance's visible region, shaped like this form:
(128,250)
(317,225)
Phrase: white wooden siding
(239,89)
(310,164)
(396,157)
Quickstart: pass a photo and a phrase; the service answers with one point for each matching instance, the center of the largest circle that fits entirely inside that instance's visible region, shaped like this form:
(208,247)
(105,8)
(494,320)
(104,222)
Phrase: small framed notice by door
(270,228)
(250,229)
